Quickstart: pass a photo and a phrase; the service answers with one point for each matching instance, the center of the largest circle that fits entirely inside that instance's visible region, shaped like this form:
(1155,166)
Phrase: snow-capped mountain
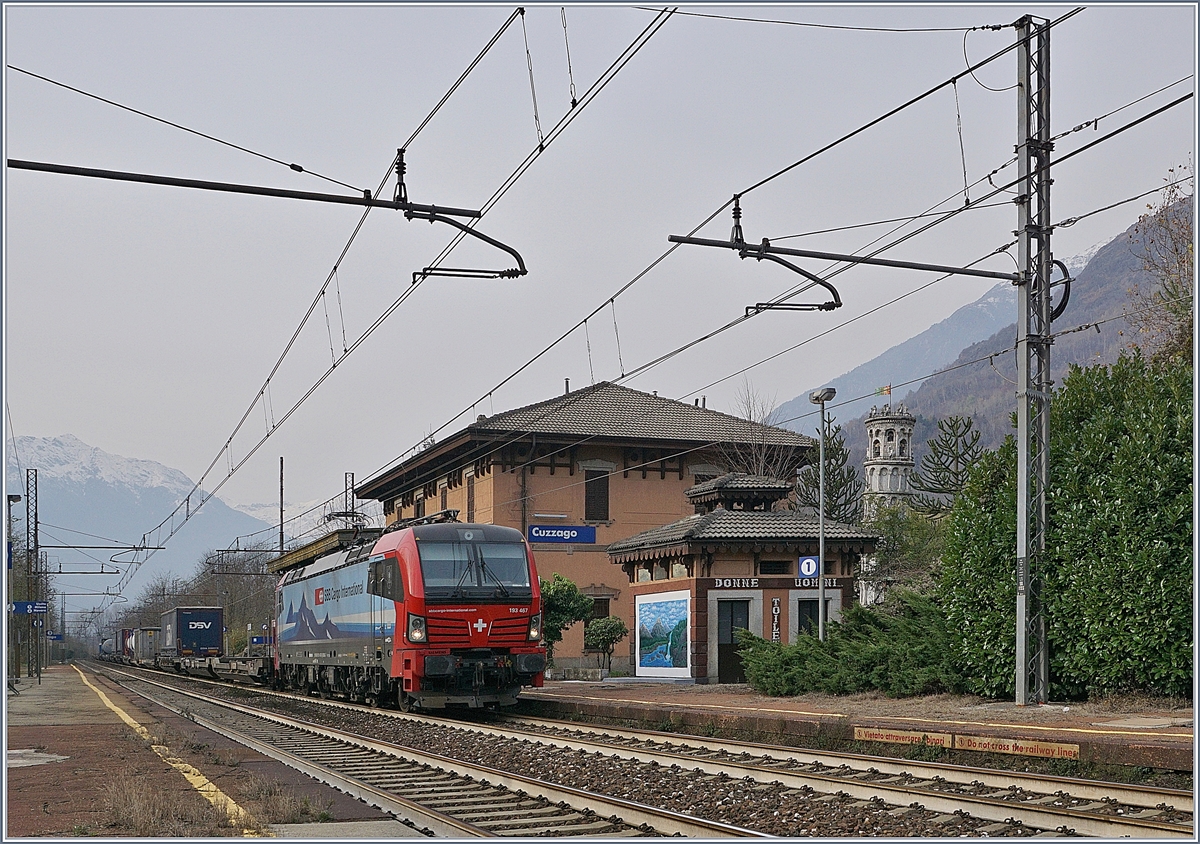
(69,459)
(269,513)
(85,493)
(1077,262)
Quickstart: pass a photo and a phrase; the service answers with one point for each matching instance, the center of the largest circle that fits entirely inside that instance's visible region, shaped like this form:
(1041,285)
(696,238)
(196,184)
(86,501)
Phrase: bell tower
(888,468)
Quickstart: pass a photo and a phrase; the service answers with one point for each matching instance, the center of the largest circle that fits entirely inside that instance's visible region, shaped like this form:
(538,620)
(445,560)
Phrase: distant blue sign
(30,607)
(809,566)
(581,534)
(261,640)
(56,637)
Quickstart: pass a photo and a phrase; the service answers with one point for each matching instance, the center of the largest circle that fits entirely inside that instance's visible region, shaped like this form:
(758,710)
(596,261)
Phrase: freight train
(427,613)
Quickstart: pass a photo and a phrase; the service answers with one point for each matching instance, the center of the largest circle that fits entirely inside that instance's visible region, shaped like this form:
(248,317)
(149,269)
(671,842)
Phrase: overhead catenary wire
(834,26)
(622,60)
(614,323)
(847,401)
(743,370)
(899,108)
(537,122)
(567,43)
(690,344)
(1045,167)
(962,147)
(967,61)
(1094,122)
(225,451)
(590,94)
(670,250)
(292,166)
(1070,221)
(909,219)
(941,218)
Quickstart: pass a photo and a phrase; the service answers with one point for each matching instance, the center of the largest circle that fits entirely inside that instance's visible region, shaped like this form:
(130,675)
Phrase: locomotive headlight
(535,628)
(416,628)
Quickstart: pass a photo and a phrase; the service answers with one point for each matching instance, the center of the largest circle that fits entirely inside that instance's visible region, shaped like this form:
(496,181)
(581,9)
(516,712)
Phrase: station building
(587,469)
(735,563)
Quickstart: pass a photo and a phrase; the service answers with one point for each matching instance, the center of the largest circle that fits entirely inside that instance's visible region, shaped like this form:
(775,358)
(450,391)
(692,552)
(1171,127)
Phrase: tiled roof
(739,481)
(738,526)
(609,410)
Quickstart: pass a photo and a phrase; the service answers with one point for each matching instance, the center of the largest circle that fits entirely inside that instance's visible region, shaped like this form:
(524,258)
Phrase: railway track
(916,797)
(439,795)
(1083,807)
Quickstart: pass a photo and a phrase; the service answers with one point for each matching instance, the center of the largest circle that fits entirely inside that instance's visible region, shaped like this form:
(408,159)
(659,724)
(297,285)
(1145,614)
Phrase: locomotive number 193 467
(518,609)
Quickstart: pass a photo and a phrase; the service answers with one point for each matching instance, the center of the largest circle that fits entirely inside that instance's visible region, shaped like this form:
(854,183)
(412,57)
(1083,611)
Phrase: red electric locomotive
(432,613)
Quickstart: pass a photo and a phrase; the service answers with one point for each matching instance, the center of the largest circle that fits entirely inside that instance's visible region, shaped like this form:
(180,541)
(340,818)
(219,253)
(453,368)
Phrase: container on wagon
(193,631)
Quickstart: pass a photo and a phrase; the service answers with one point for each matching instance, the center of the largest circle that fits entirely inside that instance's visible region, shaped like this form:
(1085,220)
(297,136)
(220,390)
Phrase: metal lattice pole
(1033,354)
(32,556)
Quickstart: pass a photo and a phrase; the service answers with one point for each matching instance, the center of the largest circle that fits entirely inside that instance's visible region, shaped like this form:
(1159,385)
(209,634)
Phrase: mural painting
(663,625)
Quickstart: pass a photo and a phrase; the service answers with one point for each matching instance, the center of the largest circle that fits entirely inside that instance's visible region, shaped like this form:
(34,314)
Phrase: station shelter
(734,563)
(577,473)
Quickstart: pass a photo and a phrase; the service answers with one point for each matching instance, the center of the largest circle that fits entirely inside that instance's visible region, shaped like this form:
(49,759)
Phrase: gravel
(767,807)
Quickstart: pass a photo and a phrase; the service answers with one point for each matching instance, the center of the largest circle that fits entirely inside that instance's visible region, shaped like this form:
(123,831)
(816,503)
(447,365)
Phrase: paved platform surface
(66,750)
(1117,732)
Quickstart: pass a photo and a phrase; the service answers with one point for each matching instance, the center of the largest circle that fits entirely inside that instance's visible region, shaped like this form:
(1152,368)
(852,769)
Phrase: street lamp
(820,397)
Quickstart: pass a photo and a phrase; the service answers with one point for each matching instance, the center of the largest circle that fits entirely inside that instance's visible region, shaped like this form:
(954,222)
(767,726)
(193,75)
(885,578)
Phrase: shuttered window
(595,504)
(471,498)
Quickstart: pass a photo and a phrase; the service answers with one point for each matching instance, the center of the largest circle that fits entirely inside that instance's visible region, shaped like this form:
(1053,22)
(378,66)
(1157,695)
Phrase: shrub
(902,648)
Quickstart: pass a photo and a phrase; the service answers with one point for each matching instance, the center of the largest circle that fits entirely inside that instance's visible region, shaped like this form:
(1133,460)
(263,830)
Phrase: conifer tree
(843,487)
(944,470)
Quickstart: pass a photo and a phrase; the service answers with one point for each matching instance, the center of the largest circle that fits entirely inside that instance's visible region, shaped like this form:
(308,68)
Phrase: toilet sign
(809,566)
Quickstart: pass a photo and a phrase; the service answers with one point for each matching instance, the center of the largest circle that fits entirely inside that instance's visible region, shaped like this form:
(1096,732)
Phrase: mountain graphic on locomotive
(433,612)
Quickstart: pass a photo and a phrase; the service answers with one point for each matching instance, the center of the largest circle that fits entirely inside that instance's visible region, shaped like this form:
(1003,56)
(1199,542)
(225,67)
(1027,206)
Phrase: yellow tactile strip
(201,783)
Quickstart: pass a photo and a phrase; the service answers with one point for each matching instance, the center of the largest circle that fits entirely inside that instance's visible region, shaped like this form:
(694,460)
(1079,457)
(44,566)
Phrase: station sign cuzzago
(573,534)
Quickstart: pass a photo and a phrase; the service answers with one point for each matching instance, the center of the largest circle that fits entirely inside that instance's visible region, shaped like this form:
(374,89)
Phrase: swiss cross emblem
(480,625)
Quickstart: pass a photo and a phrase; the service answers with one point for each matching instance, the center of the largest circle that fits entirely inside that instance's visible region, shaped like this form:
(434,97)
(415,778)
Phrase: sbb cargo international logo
(319,596)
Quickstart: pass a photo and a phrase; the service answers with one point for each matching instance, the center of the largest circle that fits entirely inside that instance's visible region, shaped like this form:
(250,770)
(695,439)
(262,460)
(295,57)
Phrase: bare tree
(760,454)
(1161,310)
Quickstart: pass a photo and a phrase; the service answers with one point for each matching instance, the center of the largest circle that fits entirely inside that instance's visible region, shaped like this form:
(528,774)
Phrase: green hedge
(1118,575)
(901,649)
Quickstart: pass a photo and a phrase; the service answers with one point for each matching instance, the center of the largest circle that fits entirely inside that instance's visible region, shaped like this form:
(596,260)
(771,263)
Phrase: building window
(807,620)
(418,508)
(595,504)
(471,498)
(891,435)
(443,501)
(875,450)
(775,567)
(600,608)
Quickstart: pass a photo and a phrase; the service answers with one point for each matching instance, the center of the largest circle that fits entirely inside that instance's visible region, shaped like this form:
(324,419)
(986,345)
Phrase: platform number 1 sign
(809,566)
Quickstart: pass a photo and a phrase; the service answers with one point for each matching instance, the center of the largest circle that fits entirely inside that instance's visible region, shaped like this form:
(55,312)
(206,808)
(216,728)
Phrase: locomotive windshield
(476,571)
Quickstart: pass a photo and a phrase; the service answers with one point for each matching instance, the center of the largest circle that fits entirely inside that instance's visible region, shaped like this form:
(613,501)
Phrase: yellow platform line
(207,788)
(1087,730)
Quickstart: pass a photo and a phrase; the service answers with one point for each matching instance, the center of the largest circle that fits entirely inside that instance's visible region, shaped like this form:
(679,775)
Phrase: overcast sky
(145,319)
